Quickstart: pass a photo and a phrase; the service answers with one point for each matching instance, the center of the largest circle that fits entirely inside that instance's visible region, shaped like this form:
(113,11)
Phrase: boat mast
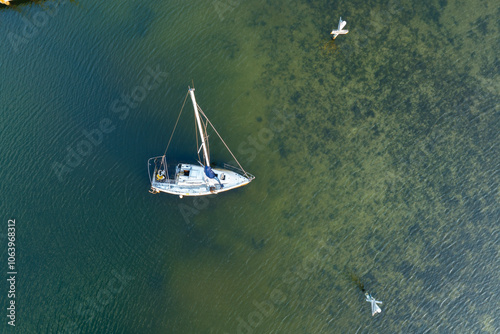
(200,128)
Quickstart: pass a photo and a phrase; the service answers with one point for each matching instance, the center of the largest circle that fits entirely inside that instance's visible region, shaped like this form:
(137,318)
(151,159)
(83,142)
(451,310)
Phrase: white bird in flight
(375,308)
(339,30)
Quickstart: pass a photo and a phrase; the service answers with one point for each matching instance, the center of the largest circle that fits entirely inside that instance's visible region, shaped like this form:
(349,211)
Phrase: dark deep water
(376,157)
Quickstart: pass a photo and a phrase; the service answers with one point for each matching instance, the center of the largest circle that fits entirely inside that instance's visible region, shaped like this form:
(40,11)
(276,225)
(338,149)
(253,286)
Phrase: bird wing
(375,308)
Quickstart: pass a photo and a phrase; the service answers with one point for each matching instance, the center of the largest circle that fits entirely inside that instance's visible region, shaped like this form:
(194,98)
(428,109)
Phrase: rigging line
(175,126)
(213,127)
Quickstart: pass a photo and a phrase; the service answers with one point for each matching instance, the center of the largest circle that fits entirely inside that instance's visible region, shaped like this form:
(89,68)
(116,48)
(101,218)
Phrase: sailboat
(185,179)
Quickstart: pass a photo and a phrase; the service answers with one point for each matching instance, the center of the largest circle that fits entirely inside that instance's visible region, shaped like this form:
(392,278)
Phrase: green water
(376,157)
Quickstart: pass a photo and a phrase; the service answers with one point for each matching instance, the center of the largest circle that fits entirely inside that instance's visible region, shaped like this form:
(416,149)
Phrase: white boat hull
(190,180)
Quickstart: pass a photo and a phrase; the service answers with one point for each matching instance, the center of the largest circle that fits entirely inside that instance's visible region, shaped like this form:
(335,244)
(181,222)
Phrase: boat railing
(167,181)
(153,167)
(239,171)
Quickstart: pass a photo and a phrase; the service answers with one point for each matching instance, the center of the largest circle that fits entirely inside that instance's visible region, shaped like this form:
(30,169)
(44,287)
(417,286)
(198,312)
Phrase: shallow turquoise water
(376,158)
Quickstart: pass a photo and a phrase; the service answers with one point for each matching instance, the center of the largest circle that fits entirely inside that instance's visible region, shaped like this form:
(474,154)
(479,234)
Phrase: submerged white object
(340,30)
(375,308)
(184,179)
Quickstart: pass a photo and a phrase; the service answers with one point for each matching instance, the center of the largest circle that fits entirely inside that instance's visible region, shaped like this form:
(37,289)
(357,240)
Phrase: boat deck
(190,180)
